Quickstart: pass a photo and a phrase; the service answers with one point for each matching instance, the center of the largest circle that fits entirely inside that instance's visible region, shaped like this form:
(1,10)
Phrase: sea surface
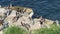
(49,9)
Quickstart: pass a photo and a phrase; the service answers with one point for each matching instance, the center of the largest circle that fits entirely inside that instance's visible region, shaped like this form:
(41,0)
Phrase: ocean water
(49,9)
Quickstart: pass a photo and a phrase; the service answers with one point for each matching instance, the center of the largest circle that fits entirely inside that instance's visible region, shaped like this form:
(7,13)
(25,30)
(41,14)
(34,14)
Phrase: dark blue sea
(49,9)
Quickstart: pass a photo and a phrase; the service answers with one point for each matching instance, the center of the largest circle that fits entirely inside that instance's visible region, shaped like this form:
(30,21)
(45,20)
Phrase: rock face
(19,14)
(14,16)
(22,16)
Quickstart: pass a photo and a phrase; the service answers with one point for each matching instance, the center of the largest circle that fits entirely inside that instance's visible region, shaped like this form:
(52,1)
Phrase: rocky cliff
(22,16)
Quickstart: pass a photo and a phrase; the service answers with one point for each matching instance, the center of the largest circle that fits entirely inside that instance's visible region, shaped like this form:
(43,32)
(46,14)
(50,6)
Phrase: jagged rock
(22,15)
(49,22)
(27,12)
(2,11)
(24,20)
(46,23)
(57,22)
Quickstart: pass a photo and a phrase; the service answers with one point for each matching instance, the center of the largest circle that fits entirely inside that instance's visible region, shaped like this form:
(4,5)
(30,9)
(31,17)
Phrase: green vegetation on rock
(14,30)
(53,30)
(17,30)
